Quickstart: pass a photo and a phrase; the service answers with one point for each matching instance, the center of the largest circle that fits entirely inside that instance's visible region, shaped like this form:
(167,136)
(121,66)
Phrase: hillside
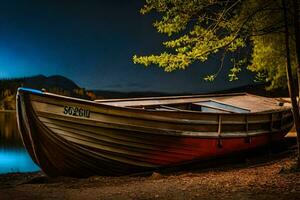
(258,89)
(55,84)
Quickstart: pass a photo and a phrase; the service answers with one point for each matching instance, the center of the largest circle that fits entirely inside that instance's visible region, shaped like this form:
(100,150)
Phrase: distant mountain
(55,84)
(40,82)
(258,89)
(57,81)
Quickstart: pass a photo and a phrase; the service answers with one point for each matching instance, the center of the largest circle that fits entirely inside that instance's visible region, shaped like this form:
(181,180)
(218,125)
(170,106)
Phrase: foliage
(268,60)
(200,28)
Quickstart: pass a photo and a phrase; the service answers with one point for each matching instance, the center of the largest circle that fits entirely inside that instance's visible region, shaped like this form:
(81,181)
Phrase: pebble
(293,190)
(155,176)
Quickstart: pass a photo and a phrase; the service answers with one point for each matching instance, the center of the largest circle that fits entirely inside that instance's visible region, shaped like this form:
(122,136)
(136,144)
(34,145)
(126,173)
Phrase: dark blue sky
(92,42)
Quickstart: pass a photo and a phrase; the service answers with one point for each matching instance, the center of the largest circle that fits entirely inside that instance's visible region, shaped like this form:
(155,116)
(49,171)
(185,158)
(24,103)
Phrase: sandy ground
(269,179)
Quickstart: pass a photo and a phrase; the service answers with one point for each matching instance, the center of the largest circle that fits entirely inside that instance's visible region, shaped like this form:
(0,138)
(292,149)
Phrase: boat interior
(225,103)
(201,106)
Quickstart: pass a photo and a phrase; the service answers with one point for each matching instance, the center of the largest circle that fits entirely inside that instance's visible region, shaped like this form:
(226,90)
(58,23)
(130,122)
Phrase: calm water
(13,156)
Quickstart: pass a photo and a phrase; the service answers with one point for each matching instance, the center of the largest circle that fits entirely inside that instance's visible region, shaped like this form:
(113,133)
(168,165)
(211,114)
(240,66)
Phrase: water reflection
(13,156)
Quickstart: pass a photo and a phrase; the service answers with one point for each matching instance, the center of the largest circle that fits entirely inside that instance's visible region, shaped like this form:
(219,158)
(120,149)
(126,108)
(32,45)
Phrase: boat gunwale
(95,103)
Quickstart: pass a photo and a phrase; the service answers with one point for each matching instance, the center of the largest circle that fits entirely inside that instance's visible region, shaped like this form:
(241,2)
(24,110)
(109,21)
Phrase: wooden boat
(74,137)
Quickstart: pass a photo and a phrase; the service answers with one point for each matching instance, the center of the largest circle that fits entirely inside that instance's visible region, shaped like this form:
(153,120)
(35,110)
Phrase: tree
(291,84)
(297,36)
(198,29)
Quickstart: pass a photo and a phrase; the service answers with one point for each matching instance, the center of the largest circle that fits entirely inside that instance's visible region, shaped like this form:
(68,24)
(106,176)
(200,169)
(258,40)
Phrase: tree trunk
(291,84)
(297,40)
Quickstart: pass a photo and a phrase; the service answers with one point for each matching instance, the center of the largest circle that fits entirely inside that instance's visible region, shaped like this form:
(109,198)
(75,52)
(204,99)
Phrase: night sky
(92,43)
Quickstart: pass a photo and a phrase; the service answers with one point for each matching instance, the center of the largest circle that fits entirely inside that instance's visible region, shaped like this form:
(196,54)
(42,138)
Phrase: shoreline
(268,180)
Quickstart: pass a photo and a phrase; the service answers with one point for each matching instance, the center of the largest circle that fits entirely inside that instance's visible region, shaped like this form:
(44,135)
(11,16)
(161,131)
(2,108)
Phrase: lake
(13,156)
